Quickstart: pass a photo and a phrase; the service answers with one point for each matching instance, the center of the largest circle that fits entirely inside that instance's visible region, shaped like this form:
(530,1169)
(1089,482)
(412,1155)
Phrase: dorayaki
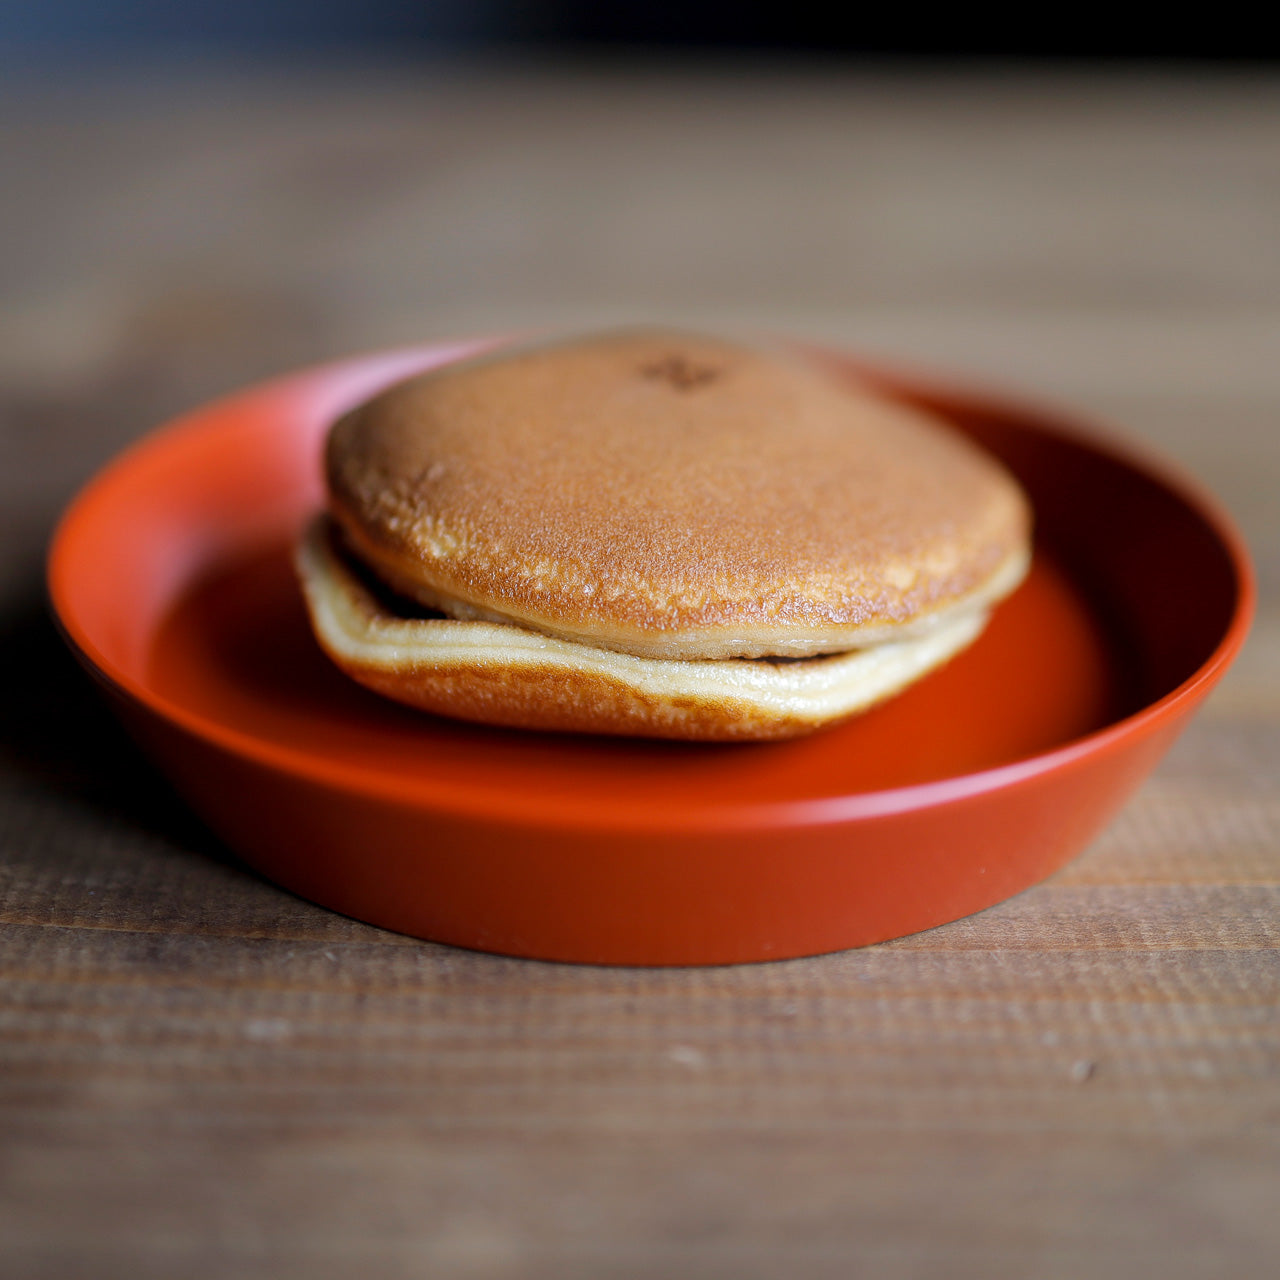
(653,533)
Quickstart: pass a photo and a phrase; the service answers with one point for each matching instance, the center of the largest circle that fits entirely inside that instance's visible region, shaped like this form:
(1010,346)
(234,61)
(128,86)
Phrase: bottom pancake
(502,674)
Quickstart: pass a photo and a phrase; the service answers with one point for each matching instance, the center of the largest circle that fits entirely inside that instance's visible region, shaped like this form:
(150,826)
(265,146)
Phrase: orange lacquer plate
(170,576)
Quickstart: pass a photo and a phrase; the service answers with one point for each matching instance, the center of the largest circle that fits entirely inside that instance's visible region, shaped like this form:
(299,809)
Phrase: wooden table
(205,1077)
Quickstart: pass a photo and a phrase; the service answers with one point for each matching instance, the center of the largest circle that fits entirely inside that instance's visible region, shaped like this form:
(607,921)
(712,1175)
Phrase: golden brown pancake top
(669,493)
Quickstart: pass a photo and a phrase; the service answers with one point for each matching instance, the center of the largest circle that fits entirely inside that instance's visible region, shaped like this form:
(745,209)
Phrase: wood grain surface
(203,1076)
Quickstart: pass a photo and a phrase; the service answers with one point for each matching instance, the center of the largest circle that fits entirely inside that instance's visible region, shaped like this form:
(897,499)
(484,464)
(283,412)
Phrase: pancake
(497,673)
(656,533)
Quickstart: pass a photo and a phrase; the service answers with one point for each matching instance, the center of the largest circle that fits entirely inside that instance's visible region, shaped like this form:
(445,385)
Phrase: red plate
(170,576)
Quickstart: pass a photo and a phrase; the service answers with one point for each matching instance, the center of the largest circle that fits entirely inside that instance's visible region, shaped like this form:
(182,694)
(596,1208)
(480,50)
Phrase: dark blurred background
(55,28)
